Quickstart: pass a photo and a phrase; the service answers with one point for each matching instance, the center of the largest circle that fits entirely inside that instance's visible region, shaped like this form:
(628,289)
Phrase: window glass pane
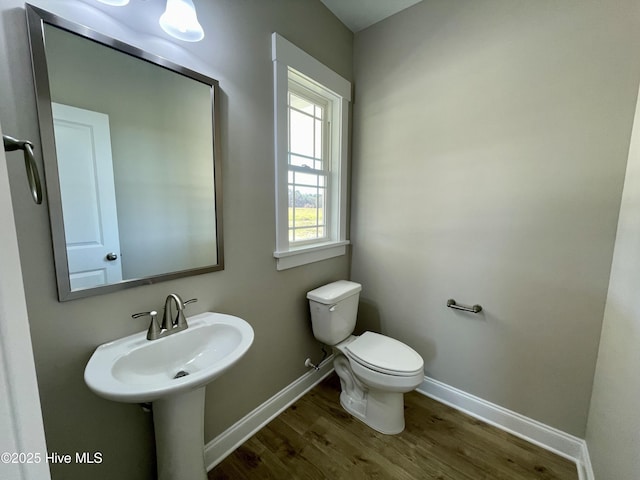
(290,193)
(301,133)
(306,197)
(292,216)
(301,104)
(318,139)
(308,179)
(321,204)
(291,209)
(301,161)
(319,111)
(306,217)
(302,234)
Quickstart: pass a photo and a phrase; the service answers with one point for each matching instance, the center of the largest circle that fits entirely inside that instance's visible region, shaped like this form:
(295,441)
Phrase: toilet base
(382,411)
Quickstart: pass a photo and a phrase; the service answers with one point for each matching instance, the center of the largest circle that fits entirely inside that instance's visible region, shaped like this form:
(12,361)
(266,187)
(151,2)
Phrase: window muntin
(308,165)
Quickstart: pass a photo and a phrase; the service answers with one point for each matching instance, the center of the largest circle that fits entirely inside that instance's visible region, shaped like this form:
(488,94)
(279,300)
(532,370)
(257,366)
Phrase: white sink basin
(136,370)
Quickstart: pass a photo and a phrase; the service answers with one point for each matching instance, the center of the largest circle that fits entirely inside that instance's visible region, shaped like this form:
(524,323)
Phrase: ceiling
(360,14)
(355,14)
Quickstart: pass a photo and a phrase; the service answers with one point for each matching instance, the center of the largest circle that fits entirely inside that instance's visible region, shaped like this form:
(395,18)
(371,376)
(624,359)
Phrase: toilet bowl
(375,371)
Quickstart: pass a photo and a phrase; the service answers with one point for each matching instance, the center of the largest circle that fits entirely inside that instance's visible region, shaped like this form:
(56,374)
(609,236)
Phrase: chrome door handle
(111,256)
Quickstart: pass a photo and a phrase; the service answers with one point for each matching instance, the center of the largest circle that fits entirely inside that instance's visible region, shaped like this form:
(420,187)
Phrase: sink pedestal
(171,372)
(179,426)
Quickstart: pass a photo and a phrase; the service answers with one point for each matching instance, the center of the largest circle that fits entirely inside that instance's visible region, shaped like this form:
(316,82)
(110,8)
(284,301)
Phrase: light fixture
(180,21)
(115,3)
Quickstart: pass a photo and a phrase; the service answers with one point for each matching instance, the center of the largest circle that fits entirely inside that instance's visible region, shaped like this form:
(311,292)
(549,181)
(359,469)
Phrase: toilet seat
(384,355)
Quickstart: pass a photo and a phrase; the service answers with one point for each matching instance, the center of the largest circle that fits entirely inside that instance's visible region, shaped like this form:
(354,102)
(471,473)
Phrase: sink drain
(180,374)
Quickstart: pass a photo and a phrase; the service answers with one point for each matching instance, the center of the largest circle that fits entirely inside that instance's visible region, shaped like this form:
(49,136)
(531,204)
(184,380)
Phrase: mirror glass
(130,155)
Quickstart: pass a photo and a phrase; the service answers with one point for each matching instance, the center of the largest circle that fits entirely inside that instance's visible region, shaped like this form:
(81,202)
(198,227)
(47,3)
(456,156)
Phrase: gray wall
(613,430)
(490,142)
(236,51)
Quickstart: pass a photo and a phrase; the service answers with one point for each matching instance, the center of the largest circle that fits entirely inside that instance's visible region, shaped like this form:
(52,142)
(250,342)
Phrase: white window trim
(287,56)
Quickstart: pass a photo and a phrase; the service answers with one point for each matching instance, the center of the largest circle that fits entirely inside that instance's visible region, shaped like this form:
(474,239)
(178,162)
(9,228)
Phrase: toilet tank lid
(334,292)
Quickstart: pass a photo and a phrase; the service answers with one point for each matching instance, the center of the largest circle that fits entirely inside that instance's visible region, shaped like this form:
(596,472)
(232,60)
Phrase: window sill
(313,253)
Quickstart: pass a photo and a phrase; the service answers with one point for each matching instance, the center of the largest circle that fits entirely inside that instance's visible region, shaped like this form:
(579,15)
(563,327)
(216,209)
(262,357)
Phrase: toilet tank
(334,308)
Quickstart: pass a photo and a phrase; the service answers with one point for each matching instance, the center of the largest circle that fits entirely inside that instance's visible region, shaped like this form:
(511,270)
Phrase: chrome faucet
(179,321)
(169,324)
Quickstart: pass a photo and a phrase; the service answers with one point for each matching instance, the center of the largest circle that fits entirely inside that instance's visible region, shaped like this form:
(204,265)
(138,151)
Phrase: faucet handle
(154,329)
(151,314)
(181,320)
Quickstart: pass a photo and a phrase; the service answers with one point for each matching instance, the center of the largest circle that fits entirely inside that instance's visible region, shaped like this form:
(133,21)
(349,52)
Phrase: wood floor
(316,439)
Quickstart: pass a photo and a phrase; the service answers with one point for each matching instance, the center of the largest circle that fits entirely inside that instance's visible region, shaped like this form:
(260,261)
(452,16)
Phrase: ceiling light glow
(180,21)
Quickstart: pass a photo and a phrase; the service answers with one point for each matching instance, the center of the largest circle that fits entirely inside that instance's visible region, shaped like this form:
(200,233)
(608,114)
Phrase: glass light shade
(180,21)
(115,3)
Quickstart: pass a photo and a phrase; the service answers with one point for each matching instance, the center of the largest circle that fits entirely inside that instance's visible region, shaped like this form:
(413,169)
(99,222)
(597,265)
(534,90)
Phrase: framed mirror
(131,155)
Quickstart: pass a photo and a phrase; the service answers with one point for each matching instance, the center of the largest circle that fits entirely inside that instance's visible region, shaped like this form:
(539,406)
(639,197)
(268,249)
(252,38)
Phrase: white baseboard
(224,444)
(585,470)
(549,438)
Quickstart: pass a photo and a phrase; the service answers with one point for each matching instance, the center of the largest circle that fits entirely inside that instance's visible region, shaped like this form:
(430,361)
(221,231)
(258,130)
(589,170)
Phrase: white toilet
(375,371)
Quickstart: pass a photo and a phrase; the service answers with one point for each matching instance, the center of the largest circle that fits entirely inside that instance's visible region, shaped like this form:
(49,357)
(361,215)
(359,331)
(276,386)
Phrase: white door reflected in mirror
(85,165)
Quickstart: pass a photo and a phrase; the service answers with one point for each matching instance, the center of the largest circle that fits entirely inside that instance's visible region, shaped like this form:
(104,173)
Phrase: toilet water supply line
(309,364)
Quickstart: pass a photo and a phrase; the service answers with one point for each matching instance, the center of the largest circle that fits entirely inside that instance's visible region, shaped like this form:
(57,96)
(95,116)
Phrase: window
(311,125)
(308,169)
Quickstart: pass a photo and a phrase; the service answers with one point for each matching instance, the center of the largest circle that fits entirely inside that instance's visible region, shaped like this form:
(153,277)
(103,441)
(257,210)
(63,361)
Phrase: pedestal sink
(172,372)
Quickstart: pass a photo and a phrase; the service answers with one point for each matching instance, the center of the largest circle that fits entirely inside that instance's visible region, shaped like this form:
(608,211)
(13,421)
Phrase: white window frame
(290,61)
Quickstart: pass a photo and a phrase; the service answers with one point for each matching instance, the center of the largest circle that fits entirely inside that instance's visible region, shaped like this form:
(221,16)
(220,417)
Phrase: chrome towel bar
(451,303)
(11,144)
